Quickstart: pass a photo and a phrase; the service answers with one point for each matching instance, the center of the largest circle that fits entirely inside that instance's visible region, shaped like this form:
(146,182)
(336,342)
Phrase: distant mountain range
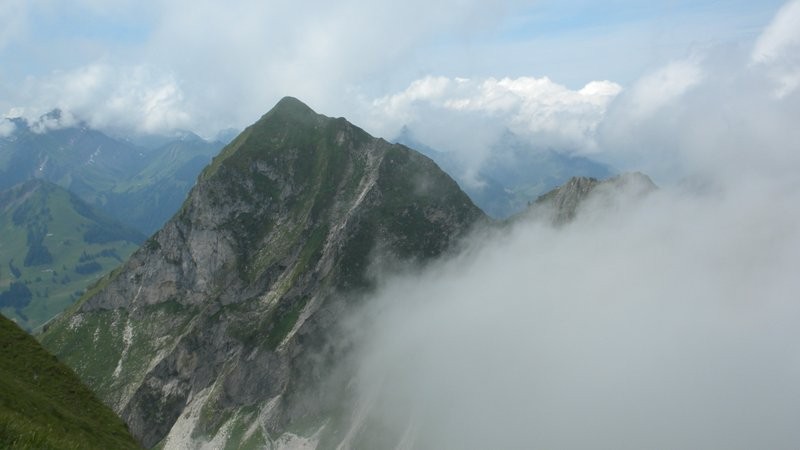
(139,181)
(514,174)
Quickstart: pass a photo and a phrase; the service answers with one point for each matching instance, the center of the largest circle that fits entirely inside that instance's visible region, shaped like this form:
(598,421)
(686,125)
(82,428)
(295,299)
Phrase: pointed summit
(291,110)
(246,285)
(290,104)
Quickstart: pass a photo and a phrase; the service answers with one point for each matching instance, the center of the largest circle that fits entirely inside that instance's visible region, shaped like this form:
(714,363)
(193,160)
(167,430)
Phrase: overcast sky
(206,65)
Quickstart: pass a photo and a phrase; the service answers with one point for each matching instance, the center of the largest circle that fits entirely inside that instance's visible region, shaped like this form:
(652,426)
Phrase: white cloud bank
(234,59)
(671,323)
(130,98)
(778,48)
(7,127)
(440,109)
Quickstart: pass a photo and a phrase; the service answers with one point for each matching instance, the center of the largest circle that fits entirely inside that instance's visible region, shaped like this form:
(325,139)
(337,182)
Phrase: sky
(204,65)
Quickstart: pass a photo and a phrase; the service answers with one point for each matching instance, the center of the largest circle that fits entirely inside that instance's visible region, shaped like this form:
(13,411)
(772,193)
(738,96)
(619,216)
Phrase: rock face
(562,204)
(218,330)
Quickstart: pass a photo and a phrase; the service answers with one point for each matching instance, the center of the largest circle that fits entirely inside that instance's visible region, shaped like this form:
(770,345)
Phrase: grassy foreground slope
(43,404)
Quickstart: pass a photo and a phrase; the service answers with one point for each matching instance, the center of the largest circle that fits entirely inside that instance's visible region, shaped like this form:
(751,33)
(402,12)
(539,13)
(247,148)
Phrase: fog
(668,322)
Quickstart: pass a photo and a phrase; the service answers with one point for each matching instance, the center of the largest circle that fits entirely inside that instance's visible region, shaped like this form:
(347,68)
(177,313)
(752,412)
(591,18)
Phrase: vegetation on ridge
(43,404)
(270,248)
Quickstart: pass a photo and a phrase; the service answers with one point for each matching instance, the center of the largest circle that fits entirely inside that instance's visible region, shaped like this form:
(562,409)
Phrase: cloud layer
(778,48)
(131,98)
(667,323)
(233,60)
(439,109)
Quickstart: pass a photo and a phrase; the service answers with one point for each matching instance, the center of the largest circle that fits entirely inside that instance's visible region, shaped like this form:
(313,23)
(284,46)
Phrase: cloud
(778,48)
(53,120)
(440,109)
(719,114)
(782,34)
(235,60)
(714,114)
(666,323)
(251,53)
(13,20)
(132,98)
(663,87)
(7,127)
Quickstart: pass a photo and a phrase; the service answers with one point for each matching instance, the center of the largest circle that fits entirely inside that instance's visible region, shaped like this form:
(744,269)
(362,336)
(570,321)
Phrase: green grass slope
(52,246)
(43,404)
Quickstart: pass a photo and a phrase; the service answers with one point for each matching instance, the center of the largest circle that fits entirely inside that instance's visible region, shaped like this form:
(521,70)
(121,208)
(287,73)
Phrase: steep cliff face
(219,328)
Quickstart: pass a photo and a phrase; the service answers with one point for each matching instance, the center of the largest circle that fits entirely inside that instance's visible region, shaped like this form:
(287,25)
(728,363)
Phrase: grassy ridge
(43,404)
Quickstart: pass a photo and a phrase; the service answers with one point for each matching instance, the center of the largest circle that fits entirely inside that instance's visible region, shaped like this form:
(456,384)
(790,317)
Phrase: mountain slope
(149,198)
(43,404)
(560,205)
(79,158)
(52,245)
(221,327)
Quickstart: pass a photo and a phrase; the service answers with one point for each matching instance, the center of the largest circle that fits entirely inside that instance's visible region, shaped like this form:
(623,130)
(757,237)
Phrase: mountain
(147,199)
(53,245)
(227,135)
(76,157)
(43,404)
(514,174)
(223,326)
(139,185)
(563,204)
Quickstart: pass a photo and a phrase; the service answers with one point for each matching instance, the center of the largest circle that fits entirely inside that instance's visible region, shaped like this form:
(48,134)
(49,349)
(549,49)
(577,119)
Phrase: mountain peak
(289,126)
(291,107)
(275,243)
(562,203)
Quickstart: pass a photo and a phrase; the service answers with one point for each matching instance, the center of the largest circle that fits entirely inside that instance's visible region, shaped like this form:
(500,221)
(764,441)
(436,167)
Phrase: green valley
(52,246)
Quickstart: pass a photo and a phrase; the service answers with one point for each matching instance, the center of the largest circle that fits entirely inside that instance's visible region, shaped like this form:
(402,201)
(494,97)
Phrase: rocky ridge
(561,205)
(218,330)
